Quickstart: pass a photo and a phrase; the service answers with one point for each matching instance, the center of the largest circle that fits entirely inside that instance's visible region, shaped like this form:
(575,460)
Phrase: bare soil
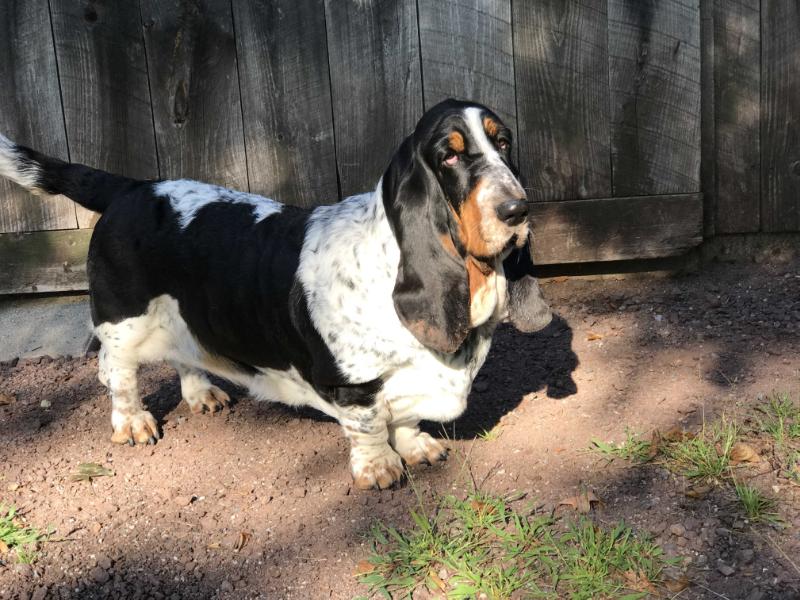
(257,501)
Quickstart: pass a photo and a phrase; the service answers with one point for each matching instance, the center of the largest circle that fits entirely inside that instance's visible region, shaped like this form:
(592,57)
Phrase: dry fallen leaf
(741,452)
(638,582)
(214,546)
(12,487)
(243,537)
(697,492)
(676,434)
(7,398)
(437,581)
(481,507)
(655,445)
(583,502)
(363,567)
(88,471)
(3,547)
(677,585)
(592,336)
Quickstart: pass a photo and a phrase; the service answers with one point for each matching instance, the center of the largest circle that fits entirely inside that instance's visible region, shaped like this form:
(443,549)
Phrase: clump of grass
(781,418)
(705,456)
(634,448)
(16,536)
(490,435)
(485,547)
(757,506)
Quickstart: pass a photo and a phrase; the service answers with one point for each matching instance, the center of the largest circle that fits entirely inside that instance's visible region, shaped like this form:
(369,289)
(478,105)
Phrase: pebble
(226,586)
(726,570)
(746,555)
(677,529)
(104,562)
(99,574)
(40,593)
(183,500)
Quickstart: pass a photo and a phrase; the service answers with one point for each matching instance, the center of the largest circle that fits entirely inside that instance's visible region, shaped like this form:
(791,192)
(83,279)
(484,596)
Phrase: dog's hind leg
(129,419)
(200,394)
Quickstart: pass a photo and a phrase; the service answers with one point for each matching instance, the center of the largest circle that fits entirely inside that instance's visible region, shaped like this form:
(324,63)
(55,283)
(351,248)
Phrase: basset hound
(378,310)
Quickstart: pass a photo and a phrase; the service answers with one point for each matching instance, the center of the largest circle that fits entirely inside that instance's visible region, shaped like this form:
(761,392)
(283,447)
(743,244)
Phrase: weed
(490,435)
(633,448)
(485,547)
(706,456)
(18,537)
(757,506)
(782,420)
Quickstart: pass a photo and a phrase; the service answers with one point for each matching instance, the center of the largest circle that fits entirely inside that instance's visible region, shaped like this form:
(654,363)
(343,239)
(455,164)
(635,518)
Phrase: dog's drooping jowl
(378,310)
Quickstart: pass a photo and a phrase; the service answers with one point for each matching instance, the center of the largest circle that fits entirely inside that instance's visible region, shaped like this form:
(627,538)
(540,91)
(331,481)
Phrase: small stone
(701,560)
(677,529)
(756,594)
(726,570)
(275,572)
(45,403)
(691,524)
(681,542)
(183,500)
(99,574)
(104,562)
(226,586)
(746,556)
(480,386)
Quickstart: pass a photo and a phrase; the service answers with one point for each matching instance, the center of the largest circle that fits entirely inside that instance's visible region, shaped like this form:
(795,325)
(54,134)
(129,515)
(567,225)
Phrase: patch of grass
(490,435)
(757,506)
(705,456)
(481,545)
(16,536)
(634,448)
(781,418)
(793,466)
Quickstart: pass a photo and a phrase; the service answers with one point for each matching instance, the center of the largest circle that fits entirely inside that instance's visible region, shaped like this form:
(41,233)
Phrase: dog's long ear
(527,309)
(431,293)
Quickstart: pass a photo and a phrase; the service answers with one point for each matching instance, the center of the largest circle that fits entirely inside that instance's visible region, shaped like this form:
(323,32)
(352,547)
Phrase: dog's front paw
(209,399)
(376,469)
(134,428)
(418,447)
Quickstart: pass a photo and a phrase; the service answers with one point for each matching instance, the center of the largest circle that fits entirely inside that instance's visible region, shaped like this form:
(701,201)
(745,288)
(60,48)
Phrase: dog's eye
(450,159)
(503,144)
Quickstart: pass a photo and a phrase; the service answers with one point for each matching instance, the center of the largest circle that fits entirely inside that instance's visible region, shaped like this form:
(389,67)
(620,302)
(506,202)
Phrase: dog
(378,310)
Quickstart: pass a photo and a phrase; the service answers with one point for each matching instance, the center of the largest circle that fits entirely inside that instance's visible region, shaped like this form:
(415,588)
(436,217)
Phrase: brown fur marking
(490,126)
(469,224)
(456,142)
(447,243)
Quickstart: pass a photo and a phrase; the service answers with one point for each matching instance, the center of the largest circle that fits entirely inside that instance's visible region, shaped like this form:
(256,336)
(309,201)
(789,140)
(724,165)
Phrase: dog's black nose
(512,212)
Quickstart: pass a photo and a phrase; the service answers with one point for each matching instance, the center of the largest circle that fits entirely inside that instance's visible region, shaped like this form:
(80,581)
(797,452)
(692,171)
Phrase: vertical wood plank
(708,127)
(654,74)
(191,58)
(737,91)
(30,112)
(376,87)
(780,122)
(467,53)
(286,100)
(103,73)
(561,64)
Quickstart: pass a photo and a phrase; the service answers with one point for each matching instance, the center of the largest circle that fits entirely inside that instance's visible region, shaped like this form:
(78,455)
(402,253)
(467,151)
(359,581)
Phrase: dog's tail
(42,174)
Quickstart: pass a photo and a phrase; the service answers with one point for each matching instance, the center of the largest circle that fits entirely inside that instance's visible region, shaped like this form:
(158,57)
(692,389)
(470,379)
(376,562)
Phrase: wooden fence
(641,124)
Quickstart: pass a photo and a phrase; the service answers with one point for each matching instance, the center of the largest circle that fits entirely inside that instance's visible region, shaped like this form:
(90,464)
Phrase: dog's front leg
(415,446)
(372,461)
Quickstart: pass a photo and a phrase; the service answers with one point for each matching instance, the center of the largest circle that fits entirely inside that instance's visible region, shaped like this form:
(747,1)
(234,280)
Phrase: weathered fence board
(44,261)
(30,113)
(737,92)
(780,117)
(562,97)
(374,55)
(654,73)
(616,228)
(286,100)
(467,53)
(103,76)
(191,58)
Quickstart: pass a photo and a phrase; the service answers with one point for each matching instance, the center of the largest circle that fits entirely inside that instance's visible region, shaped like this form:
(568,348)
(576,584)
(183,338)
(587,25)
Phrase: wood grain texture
(45,261)
(780,115)
(30,112)
(467,53)
(376,88)
(654,74)
(103,76)
(561,65)
(737,91)
(283,65)
(708,129)
(615,228)
(191,58)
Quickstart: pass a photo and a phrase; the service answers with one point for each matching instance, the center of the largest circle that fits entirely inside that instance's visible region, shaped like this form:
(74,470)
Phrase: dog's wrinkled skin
(378,310)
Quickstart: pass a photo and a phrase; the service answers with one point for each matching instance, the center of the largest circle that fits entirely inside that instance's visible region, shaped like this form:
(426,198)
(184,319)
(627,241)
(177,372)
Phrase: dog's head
(457,209)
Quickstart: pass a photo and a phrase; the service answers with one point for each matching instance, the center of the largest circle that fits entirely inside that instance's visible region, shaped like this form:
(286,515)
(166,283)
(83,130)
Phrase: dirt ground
(257,502)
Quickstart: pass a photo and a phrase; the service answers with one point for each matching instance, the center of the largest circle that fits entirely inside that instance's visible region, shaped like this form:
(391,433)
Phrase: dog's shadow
(518,364)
